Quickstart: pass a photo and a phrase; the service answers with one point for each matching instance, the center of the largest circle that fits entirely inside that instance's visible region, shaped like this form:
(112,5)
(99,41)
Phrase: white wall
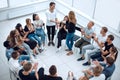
(3,3)
(108,12)
(69,2)
(14,3)
(86,6)
(14,12)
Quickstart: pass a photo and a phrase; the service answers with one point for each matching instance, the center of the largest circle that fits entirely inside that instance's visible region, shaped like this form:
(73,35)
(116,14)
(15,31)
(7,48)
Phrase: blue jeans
(69,40)
(92,48)
(35,37)
(9,52)
(40,32)
(27,48)
(24,57)
(97,56)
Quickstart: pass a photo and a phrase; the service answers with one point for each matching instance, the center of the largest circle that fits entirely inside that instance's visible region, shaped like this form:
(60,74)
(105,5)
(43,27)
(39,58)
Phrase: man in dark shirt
(104,52)
(27,74)
(53,74)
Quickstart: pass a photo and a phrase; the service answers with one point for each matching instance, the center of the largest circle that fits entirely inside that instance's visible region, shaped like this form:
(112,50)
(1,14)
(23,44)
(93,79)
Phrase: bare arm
(104,52)
(36,73)
(87,36)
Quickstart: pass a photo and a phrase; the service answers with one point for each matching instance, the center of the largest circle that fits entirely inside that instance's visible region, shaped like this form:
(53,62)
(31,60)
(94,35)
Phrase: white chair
(14,75)
(109,78)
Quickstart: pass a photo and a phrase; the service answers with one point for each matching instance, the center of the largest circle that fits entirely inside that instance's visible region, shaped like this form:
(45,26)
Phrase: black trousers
(61,36)
(97,56)
(51,31)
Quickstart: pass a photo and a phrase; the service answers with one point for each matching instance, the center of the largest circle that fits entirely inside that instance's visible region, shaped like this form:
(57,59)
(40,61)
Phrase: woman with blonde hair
(71,30)
(29,28)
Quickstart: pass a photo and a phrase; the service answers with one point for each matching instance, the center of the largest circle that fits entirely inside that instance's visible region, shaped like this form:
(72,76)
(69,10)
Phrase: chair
(109,78)
(75,39)
(14,75)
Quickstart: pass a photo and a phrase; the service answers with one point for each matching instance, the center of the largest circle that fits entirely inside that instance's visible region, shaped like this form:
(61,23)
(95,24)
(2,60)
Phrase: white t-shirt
(14,65)
(101,77)
(50,16)
(100,39)
(37,23)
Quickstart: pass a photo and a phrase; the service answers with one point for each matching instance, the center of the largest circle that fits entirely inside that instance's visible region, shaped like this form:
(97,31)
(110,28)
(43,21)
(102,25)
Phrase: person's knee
(83,48)
(76,45)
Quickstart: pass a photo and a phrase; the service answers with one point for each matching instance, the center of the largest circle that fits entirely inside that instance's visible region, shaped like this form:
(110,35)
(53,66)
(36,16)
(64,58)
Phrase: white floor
(49,57)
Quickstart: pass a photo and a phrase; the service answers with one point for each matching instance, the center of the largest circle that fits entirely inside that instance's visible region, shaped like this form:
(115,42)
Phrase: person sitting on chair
(108,68)
(39,24)
(85,40)
(62,32)
(53,74)
(29,72)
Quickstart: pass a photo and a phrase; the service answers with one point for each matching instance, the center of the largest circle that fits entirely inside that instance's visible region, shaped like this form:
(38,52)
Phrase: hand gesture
(96,62)
(35,66)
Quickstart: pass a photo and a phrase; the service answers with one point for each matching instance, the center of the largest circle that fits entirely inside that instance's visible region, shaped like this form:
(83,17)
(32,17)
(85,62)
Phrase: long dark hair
(21,32)
(114,49)
(34,15)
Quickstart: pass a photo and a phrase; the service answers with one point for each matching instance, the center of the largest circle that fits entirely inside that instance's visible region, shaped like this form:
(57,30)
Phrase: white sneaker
(70,75)
(58,49)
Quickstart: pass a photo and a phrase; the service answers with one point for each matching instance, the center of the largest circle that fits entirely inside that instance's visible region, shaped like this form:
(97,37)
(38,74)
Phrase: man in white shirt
(51,17)
(95,47)
(14,64)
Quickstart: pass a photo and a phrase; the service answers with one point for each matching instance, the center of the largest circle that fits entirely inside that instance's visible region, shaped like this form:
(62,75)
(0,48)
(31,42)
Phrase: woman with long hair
(62,32)
(71,30)
(38,25)
(32,44)
(16,42)
(29,28)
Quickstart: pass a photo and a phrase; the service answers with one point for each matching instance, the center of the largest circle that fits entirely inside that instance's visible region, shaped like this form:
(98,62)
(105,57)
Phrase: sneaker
(40,50)
(69,53)
(58,49)
(48,43)
(67,50)
(34,55)
(87,63)
(53,43)
(70,76)
(80,59)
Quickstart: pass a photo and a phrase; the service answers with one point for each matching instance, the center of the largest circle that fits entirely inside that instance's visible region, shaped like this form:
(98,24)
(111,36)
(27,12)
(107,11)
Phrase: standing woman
(71,30)
(51,22)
